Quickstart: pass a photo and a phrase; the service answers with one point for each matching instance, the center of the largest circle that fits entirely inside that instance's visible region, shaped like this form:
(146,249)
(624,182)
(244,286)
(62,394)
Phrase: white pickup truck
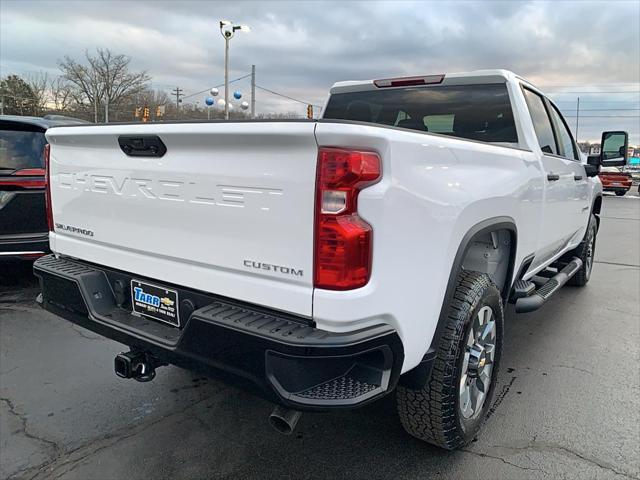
(329,262)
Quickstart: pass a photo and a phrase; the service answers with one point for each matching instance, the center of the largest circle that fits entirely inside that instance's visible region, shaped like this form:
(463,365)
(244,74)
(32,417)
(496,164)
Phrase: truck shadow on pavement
(17,282)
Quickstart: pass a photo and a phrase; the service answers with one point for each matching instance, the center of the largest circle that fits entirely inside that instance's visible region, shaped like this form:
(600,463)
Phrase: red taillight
(30,172)
(14,183)
(409,81)
(48,187)
(22,179)
(342,257)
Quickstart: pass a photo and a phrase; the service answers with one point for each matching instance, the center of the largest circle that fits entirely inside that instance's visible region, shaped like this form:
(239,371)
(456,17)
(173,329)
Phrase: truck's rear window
(474,112)
(20,149)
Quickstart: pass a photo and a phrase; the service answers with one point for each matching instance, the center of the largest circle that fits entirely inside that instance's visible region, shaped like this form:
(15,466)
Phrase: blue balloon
(209,101)
(237,95)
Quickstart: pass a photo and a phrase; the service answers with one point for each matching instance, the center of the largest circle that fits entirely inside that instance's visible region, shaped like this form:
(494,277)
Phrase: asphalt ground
(567,404)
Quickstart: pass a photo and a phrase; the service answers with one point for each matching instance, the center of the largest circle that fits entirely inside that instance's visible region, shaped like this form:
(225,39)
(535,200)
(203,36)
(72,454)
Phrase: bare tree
(39,83)
(85,80)
(118,83)
(149,97)
(105,79)
(62,95)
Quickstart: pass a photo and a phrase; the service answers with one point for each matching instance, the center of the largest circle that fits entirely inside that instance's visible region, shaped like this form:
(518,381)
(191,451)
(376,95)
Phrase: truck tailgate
(229,209)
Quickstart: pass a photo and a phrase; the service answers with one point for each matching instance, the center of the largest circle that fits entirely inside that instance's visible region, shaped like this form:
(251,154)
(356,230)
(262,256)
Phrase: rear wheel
(620,193)
(585,252)
(450,407)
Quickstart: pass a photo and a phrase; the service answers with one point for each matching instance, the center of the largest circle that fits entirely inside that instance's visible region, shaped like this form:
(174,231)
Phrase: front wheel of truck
(450,407)
(585,252)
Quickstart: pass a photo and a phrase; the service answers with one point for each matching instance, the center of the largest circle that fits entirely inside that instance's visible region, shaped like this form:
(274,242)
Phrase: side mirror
(614,149)
(592,168)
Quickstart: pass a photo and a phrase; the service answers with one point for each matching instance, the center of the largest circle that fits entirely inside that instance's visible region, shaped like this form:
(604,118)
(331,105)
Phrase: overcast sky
(301,48)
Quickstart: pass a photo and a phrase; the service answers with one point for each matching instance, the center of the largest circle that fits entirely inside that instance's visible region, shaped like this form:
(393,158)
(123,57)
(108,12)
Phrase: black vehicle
(23,225)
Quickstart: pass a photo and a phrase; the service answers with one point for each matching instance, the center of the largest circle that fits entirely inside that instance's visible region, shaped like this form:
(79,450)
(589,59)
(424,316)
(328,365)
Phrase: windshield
(474,112)
(21,149)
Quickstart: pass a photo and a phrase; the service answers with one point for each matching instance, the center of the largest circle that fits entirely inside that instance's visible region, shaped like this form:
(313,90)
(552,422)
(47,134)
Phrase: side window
(564,137)
(20,147)
(541,122)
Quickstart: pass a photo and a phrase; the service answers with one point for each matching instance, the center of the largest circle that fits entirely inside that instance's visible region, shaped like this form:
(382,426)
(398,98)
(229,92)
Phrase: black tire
(433,413)
(620,193)
(585,252)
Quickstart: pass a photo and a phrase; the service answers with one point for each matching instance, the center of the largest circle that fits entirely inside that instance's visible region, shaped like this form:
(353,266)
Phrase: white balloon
(214,91)
(221,102)
(230,106)
(244,105)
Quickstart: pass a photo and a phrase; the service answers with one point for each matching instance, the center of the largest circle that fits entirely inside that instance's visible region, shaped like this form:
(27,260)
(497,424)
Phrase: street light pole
(577,118)
(228,29)
(226,77)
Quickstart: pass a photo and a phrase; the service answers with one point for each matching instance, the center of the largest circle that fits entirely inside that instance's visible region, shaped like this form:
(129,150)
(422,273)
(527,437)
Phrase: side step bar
(539,296)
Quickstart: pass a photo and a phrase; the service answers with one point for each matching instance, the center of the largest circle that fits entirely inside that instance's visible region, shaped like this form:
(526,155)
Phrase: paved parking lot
(567,403)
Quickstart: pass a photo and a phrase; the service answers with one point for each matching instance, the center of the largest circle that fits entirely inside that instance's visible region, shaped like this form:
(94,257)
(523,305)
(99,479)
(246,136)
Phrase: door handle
(142,146)
(577,178)
(552,177)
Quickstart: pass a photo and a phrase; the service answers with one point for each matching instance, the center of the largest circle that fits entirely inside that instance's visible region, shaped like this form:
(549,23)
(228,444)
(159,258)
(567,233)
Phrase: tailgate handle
(142,146)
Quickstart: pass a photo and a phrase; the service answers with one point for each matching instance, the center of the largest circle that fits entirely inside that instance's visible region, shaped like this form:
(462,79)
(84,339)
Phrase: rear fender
(418,376)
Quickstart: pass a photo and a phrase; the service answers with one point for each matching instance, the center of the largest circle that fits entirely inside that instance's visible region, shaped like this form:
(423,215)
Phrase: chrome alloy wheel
(477,365)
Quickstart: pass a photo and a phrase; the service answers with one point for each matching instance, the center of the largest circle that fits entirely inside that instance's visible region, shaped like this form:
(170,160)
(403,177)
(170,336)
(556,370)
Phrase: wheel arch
(418,375)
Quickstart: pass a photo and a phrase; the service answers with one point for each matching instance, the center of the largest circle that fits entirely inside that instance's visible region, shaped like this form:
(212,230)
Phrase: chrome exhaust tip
(284,420)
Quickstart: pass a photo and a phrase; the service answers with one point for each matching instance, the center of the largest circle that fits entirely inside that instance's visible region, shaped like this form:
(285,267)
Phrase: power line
(216,86)
(287,96)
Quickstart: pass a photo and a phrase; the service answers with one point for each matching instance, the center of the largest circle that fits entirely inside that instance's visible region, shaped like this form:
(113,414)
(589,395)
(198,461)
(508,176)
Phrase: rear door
(228,209)
(559,223)
(580,207)
(22,209)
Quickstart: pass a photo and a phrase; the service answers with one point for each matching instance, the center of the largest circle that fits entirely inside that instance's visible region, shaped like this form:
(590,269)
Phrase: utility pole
(577,118)
(253,91)
(177,93)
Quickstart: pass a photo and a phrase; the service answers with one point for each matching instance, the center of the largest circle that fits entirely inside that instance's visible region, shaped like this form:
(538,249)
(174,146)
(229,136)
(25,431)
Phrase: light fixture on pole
(228,29)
